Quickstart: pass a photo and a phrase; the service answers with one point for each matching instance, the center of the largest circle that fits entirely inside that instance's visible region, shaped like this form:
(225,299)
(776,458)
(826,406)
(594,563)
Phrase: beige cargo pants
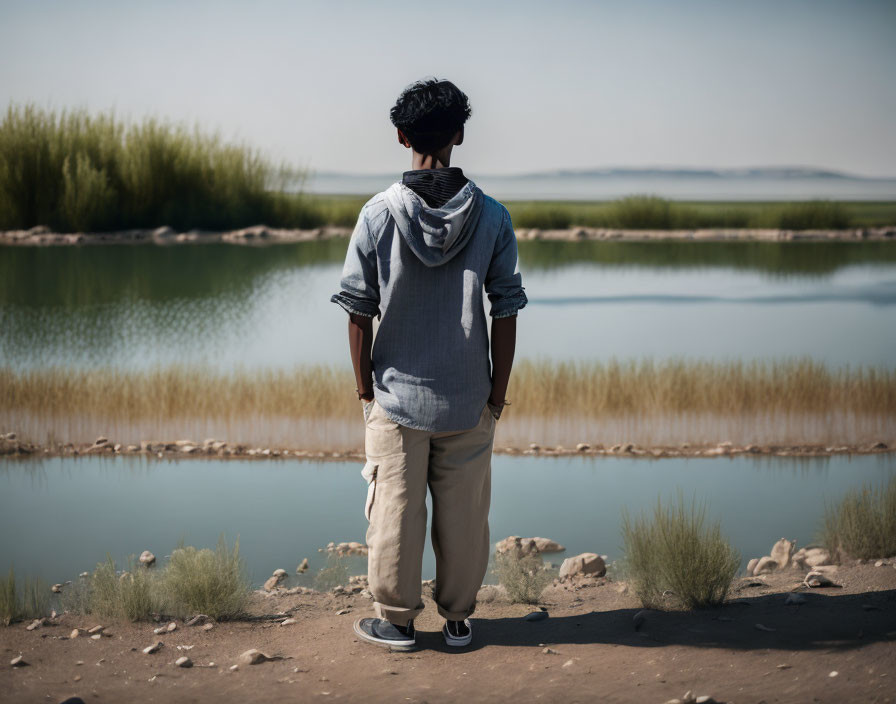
(401,463)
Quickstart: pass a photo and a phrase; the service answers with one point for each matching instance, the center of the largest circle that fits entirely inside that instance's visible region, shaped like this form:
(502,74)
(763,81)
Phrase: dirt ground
(754,649)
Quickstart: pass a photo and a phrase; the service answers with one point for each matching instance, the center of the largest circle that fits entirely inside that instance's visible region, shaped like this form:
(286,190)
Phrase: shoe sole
(392,644)
(456,642)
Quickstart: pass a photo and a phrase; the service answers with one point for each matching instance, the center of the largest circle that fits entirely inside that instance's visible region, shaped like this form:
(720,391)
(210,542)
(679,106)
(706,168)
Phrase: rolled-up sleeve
(360,292)
(503,282)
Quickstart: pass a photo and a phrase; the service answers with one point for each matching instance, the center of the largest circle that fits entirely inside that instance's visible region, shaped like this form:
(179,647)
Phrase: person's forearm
(503,347)
(360,337)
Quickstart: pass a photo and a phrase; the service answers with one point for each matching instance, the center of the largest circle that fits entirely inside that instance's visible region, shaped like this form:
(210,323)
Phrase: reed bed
(538,388)
(78,172)
(74,171)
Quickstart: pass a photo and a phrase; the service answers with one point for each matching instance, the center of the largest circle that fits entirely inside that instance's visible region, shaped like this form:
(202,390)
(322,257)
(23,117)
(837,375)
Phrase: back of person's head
(429,113)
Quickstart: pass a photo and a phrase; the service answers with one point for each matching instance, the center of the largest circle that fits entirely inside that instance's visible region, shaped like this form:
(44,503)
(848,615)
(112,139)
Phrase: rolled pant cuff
(455,615)
(396,614)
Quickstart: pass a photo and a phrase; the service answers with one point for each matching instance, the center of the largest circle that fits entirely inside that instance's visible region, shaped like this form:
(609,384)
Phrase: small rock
(271,583)
(234,668)
(77,632)
(183,661)
(77,678)
(56,589)
(782,551)
(583,447)
(18,661)
(147,559)
(96,629)
(818,580)
(639,618)
(208,626)
(288,622)
(584,563)
(765,565)
(549,651)
(36,623)
(254,657)
(343,611)
(881,563)
(751,565)
(303,566)
(833,673)
(536,616)
(154,648)
(96,636)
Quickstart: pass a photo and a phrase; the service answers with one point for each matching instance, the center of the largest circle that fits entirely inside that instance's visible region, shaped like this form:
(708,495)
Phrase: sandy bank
(263,235)
(836,645)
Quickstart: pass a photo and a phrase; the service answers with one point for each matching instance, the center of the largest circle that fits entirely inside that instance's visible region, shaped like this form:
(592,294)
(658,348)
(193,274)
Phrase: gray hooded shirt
(421,270)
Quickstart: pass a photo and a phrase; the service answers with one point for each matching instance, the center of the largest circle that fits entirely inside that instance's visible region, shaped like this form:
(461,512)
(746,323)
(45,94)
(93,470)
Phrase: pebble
(18,661)
(536,616)
(234,668)
(549,651)
(147,558)
(288,622)
(833,673)
(208,627)
(639,618)
(96,629)
(254,657)
(56,589)
(77,678)
(154,648)
(36,623)
(183,661)
(343,611)
(96,636)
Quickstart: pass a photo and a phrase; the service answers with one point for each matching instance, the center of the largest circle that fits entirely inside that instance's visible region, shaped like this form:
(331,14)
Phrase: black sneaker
(382,632)
(457,633)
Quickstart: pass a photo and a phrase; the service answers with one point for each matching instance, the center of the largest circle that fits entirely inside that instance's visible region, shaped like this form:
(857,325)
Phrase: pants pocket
(369,473)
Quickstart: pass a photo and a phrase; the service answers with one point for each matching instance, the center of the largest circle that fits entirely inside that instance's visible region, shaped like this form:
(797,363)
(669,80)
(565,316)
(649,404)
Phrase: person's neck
(441,160)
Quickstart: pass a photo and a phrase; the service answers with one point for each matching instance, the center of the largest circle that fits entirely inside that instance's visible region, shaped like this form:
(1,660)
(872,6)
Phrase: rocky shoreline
(263,235)
(13,446)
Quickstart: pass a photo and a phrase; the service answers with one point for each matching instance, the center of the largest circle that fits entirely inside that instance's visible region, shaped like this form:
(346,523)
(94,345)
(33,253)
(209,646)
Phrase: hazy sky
(556,84)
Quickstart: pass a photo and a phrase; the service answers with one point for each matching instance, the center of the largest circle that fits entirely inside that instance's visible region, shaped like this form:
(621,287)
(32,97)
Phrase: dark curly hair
(429,112)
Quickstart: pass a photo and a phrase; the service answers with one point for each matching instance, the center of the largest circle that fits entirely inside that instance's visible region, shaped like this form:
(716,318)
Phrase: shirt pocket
(369,473)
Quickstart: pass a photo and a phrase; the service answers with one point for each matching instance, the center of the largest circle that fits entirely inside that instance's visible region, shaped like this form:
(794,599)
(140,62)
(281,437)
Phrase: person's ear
(402,139)
(459,137)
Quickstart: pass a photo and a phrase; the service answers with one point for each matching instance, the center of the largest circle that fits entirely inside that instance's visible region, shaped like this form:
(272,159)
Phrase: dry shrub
(863,524)
(211,582)
(678,552)
(30,600)
(524,578)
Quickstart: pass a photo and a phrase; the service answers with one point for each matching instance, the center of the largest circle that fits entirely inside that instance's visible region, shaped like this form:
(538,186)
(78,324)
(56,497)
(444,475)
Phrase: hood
(435,235)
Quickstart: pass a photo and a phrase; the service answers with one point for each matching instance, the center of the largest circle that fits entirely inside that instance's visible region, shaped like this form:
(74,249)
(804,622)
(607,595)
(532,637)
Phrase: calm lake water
(60,516)
(226,305)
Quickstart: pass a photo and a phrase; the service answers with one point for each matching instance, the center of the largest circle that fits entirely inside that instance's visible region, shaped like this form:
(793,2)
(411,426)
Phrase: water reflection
(225,305)
(66,514)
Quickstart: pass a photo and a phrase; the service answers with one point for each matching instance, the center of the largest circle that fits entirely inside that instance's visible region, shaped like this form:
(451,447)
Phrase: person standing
(418,259)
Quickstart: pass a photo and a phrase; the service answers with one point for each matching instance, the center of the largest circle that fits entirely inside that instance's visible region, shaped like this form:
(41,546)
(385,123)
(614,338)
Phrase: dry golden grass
(538,388)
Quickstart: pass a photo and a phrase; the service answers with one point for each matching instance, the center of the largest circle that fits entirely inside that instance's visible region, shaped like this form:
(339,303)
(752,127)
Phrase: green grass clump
(524,577)
(30,600)
(74,171)
(678,552)
(211,582)
(334,574)
(863,524)
(132,595)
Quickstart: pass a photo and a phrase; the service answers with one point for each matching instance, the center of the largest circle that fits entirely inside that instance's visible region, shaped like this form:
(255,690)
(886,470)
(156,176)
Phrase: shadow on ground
(824,622)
